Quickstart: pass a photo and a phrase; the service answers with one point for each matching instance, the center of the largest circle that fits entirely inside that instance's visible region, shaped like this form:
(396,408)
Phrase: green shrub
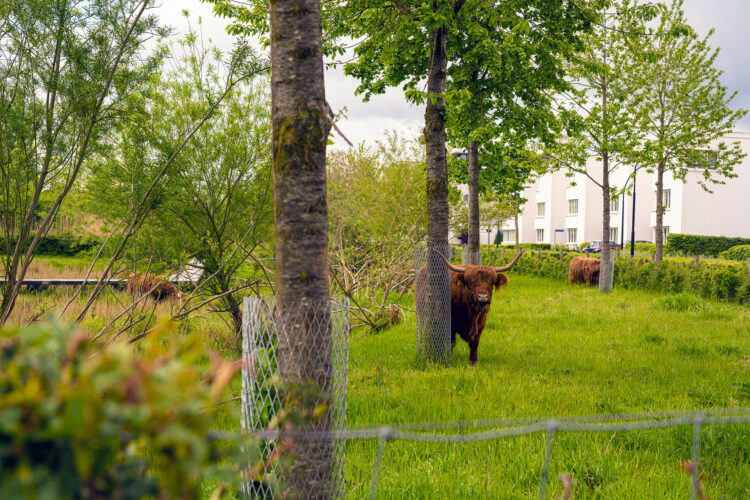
(114,424)
(65,244)
(648,248)
(692,244)
(584,245)
(739,252)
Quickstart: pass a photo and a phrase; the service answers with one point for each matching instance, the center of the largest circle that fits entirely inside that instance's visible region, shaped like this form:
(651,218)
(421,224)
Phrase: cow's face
(480,281)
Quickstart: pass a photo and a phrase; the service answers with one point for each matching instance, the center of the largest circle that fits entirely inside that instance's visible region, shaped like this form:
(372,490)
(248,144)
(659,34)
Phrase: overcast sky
(367,121)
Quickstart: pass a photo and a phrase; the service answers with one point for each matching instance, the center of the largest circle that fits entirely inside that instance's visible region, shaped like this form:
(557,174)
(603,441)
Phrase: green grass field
(550,350)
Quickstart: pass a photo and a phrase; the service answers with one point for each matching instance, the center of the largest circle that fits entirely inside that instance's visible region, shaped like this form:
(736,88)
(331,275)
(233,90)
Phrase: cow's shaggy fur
(471,297)
(584,270)
(156,286)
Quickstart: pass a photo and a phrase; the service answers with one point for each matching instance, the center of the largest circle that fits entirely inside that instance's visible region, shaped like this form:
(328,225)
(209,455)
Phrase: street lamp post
(632,224)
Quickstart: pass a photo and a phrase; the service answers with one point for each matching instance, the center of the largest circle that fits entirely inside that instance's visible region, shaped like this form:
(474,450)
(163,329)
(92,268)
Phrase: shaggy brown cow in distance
(157,287)
(471,297)
(584,270)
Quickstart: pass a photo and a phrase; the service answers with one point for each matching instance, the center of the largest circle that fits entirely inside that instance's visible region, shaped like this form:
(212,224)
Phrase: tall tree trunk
(473,183)
(300,131)
(437,286)
(518,240)
(659,229)
(605,271)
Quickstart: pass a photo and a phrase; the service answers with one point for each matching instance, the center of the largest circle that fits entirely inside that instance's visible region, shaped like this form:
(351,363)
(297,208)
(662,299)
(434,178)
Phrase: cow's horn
(453,268)
(509,266)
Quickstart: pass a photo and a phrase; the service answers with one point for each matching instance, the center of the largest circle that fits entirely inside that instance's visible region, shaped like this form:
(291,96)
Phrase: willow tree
(684,108)
(67,68)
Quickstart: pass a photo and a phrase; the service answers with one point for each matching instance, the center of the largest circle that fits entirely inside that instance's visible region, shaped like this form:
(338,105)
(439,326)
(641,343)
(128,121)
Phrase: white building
(561,209)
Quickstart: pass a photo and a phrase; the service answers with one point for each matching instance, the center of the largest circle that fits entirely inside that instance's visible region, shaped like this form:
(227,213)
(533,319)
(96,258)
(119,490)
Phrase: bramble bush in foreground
(82,421)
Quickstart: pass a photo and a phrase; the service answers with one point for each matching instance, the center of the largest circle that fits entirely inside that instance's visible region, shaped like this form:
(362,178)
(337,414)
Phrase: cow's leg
(473,352)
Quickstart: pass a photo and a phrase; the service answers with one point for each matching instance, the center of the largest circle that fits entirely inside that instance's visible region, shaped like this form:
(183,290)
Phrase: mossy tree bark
(473,184)
(438,285)
(300,132)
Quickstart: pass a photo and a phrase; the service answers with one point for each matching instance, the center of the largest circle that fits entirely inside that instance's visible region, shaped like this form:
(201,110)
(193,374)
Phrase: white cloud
(367,121)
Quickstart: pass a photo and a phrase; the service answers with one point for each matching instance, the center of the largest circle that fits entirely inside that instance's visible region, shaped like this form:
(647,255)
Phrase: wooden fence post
(539,254)
(587,253)
(561,254)
(697,260)
(748,269)
(504,249)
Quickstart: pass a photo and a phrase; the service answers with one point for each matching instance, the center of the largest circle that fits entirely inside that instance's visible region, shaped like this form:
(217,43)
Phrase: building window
(572,235)
(666,231)
(572,207)
(666,199)
(613,234)
(540,209)
(509,236)
(540,235)
(614,204)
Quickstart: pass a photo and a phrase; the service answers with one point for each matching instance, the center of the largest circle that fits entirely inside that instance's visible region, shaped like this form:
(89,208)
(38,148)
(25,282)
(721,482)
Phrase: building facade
(567,209)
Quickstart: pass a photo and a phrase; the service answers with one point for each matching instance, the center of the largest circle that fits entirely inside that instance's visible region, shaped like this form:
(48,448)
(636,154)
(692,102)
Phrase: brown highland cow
(157,287)
(584,270)
(471,297)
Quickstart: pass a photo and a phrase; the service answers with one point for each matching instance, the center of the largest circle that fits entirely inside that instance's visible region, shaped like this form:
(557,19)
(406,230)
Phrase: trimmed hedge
(740,252)
(535,246)
(693,244)
(726,281)
(65,244)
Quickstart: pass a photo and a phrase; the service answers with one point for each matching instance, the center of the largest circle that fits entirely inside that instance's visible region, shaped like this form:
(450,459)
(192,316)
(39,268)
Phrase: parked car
(597,246)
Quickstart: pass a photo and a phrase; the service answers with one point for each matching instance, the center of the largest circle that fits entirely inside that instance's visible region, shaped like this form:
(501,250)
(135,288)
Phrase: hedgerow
(726,280)
(693,244)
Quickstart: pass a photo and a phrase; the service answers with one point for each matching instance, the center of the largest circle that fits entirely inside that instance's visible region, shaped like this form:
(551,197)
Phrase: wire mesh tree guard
(267,337)
(433,302)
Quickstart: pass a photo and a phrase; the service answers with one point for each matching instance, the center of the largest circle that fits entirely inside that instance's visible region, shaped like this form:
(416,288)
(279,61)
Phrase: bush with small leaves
(78,420)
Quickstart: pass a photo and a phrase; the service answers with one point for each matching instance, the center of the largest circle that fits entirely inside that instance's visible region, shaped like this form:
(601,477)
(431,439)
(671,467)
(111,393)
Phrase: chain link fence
(433,302)
(268,336)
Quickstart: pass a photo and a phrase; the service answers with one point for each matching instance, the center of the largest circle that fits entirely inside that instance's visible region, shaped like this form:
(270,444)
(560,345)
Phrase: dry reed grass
(45,269)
